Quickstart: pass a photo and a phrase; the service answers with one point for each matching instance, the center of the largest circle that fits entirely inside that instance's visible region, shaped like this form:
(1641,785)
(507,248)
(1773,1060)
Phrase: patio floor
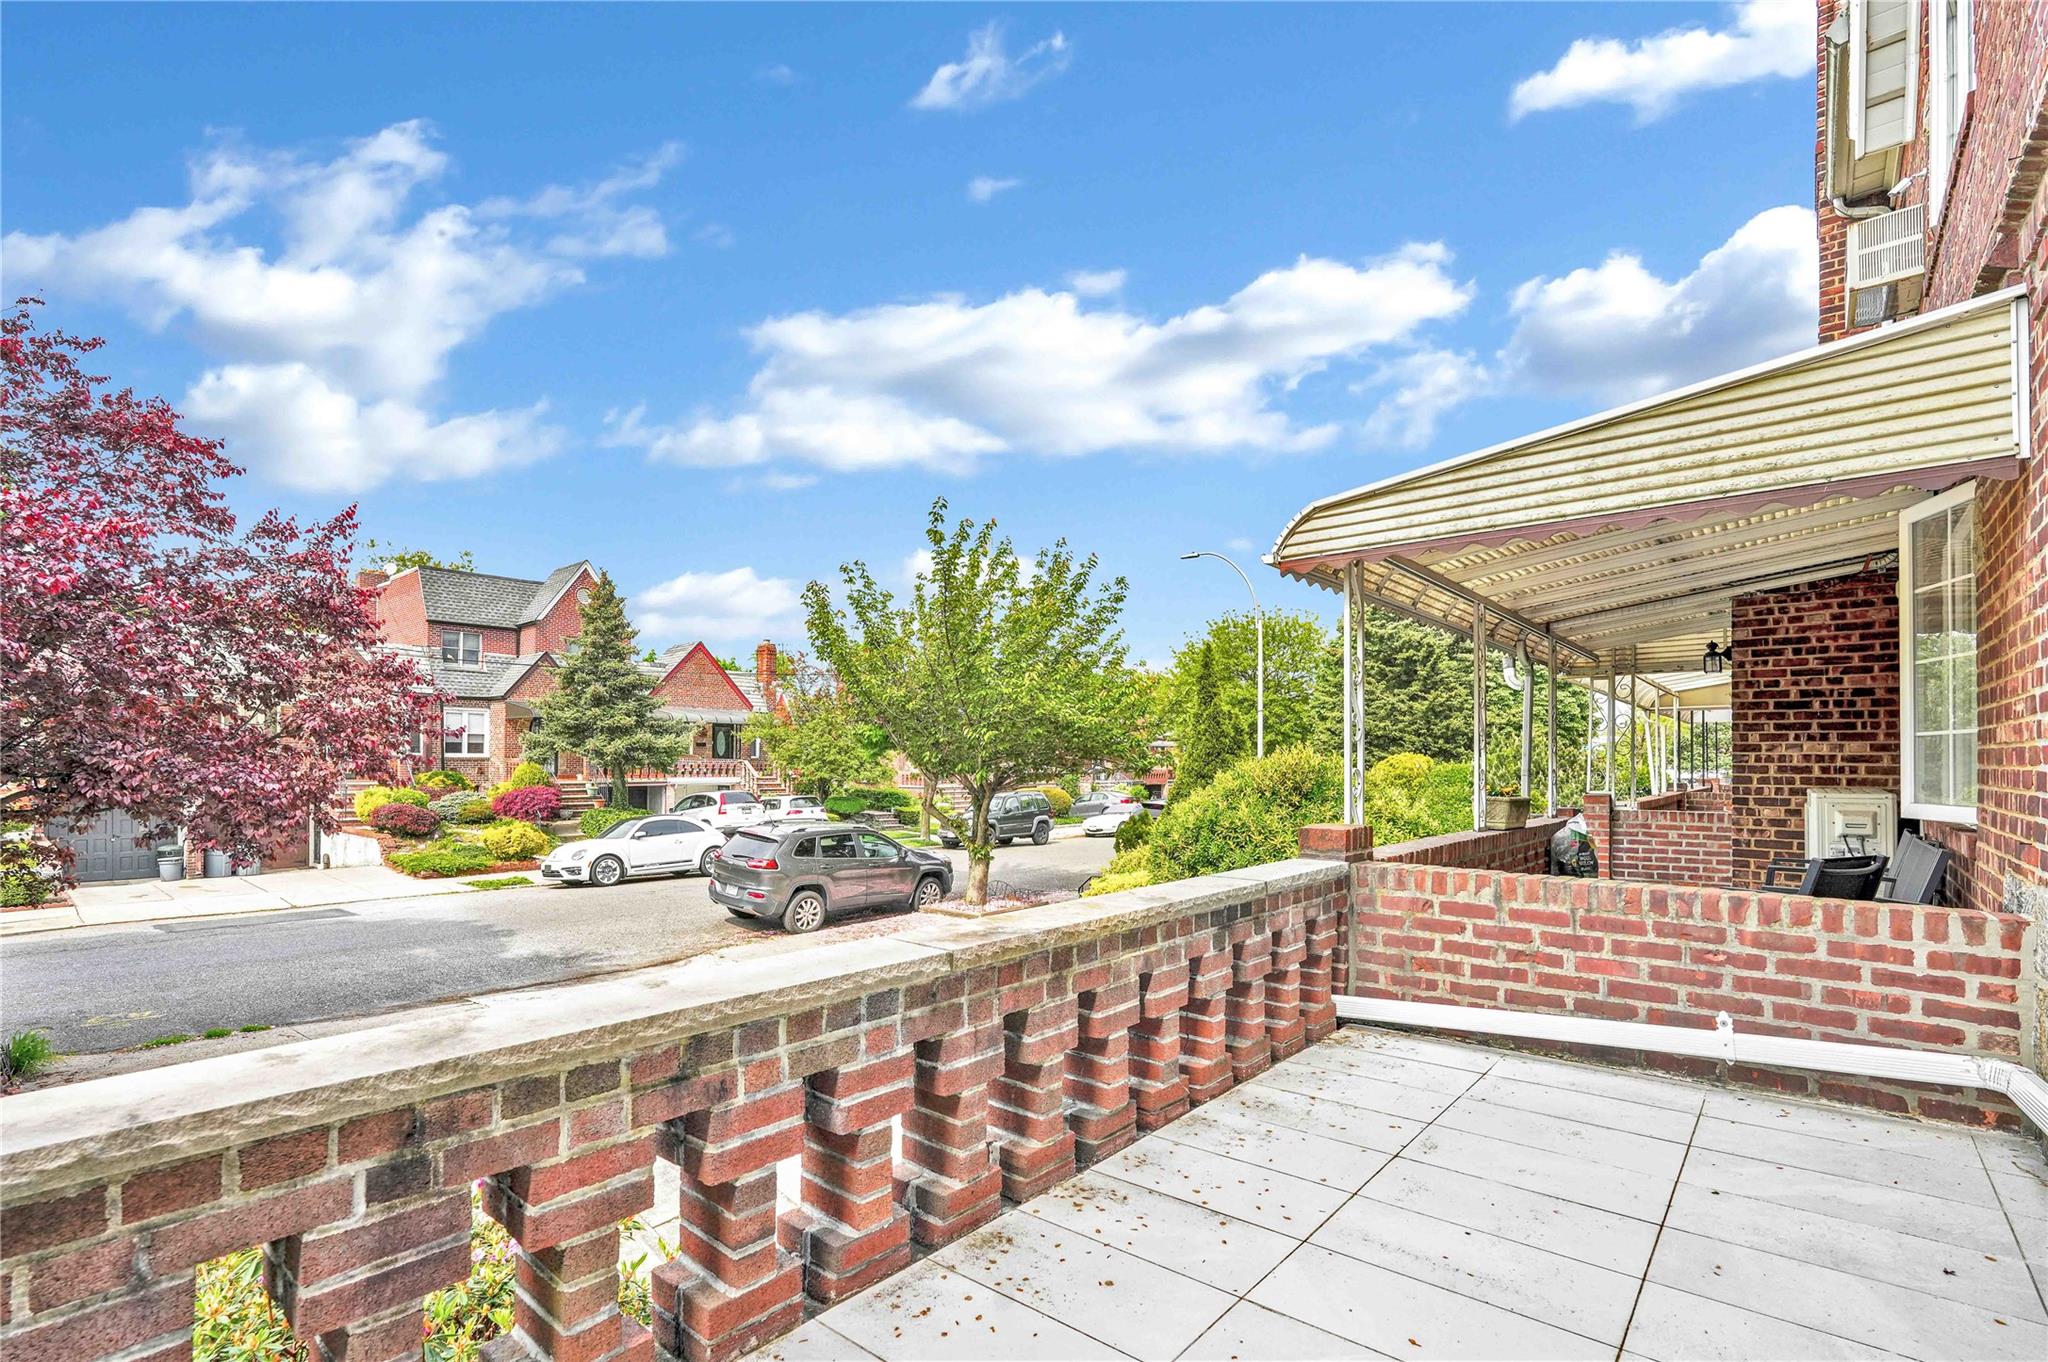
(1387,1195)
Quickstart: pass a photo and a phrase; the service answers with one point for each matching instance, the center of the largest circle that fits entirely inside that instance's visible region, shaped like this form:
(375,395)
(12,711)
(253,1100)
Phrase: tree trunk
(620,794)
(980,851)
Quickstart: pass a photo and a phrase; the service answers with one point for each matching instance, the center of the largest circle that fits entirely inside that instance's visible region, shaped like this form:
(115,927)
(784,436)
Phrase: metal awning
(1625,537)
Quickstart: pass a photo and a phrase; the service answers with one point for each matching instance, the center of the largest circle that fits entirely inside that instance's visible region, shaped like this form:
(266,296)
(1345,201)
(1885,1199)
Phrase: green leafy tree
(817,735)
(989,676)
(1210,734)
(601,706)
(378,554)
(1303,679)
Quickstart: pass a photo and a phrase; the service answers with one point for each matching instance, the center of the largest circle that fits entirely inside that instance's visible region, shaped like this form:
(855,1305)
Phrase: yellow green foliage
(377,796)
(512,840)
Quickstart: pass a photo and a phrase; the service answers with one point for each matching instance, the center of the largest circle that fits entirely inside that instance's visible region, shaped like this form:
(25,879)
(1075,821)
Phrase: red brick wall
(1676,838)
(402,611)
(1933,978)
(698,682)
(564,621)
(496,642)
(1831,227)
(1522,850)
(1815,702)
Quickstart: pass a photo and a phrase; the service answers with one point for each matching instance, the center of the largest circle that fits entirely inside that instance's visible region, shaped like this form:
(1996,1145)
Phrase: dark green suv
(1019,813)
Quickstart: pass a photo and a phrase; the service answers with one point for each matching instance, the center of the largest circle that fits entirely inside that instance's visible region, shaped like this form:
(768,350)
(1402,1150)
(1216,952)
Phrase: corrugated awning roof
(1625,536)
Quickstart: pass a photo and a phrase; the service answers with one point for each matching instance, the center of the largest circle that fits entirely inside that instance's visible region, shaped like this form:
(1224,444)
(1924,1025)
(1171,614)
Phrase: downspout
(1522,677)
(1837,54)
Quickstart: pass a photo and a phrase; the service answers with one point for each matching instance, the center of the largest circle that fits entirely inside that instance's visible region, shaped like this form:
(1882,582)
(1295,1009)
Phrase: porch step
(577,797)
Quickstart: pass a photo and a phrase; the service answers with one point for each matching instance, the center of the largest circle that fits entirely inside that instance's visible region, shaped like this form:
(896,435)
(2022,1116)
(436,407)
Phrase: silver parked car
(798,873)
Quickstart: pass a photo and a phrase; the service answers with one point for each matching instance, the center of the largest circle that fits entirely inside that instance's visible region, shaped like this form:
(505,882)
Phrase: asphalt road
(98,989)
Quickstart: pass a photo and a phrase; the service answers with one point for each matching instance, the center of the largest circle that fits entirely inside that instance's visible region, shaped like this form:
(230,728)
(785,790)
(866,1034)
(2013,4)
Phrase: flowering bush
(512,840)
(440,782)
(377,796)
(407,820)
(529,803)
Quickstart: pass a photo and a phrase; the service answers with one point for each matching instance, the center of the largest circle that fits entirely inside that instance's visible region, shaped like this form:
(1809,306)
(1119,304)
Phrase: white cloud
(329,344)
(982,188)
(918,564)
(1766,38)
(1618,331)
(1096,283)
(988,74)
(716,606)
(1426,383)
(1238,544)
(945,383)
(777,74)
(714,234)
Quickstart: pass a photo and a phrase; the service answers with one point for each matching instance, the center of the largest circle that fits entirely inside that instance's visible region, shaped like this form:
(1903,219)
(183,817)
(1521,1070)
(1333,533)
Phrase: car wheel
(928,892)
(806,913)
(704,861)
(1002,841)
(1041,834)
(607,871)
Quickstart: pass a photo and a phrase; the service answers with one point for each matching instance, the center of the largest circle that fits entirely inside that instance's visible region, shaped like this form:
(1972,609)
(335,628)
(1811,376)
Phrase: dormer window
(461,645)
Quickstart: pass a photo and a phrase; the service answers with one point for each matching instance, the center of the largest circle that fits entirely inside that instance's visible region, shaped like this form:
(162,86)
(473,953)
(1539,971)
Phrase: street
(98,989)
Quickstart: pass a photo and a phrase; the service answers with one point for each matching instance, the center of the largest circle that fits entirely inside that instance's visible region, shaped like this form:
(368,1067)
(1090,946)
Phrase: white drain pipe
(2023,1087)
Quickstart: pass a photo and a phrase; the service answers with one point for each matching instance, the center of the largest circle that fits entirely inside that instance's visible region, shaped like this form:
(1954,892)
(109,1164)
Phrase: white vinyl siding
(466,733)
(1883,65)
(1952,74)
(1938,665)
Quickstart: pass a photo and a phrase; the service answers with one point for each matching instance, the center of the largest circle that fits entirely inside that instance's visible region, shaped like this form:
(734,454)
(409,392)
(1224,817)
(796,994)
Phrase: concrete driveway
(99,989)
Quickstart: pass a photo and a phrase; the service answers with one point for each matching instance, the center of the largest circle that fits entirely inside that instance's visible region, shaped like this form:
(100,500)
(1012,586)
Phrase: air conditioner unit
(1887,265)
(1845,822)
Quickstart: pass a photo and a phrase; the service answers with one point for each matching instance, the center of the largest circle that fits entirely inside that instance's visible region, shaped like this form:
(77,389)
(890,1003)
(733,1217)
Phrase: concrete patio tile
(1951,1175)
(1275,1201)
(1428,1049)
(1324,1116)
(1530,1281)
(1134,1306)
(2019,1176)
(1342,1085)
(1617,1242)
(1596,1144)
(811,1342)
(1334,1163)
(1875,1314)
(1677,1326)
(929,1313)
(1994,1282)
(1982,1228)
(1406,1318)
(1621,1190)
(1609,1113)
(1365,1063)
(1207,1245)
(1627,1086)
(1839,1123)
(1252,1333)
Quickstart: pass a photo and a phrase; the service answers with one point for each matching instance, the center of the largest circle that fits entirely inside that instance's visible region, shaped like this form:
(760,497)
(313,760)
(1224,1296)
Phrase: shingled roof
(456,597)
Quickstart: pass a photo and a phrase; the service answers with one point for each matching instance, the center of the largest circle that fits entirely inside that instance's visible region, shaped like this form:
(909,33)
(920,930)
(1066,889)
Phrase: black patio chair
(1827,877)
(1917,872)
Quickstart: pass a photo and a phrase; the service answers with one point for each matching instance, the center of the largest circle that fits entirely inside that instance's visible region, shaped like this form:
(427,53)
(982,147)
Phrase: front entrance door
(724,741)
(552,762)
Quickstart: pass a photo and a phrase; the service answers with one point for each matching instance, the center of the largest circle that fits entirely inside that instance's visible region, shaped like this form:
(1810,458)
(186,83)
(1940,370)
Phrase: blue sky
(719,297)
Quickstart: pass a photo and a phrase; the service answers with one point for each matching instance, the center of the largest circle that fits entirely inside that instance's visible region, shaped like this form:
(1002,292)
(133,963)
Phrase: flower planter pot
(216,865)
(1504,812)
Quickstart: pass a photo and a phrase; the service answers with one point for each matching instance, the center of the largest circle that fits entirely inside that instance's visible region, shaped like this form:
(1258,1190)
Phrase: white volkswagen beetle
(661,844)
(1106,823)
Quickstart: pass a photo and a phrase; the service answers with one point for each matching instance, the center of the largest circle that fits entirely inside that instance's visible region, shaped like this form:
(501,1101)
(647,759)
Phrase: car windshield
(623,830)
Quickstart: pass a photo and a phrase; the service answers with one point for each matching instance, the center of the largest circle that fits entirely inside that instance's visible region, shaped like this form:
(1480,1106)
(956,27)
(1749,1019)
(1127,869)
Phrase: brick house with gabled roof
(492,644)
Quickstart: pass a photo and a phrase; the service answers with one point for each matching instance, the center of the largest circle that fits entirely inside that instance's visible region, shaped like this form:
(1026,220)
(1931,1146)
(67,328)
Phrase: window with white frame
(461,645)
(1938,664)
(418,746)
(465,733)
(1951,74)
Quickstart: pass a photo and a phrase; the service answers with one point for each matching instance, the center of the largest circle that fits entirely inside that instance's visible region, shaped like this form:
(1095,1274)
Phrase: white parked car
(660,844)
(725,810)
(784,808)
(1106,823)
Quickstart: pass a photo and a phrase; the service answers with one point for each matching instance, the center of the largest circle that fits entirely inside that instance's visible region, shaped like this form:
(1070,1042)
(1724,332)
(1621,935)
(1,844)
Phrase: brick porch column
(1284,1025)
(852,1231)
(1204,1028)
(1027,1104)
(1318,984)
(564,1216)
(1157,1083)
(1251,1047)
(730,1287)
(953,1180)
(1100,1109)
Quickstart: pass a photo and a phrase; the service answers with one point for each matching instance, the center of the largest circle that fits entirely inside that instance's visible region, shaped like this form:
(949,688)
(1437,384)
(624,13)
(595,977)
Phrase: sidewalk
(158,900)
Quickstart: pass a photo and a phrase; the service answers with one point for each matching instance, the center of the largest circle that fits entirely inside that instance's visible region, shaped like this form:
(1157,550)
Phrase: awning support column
(1609,730)
(1550,733)
(1527,673)
(1478,716)
(1352,813)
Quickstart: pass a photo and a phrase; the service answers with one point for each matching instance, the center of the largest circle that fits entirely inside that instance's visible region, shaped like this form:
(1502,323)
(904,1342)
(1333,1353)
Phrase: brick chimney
(371,577)
(764,669)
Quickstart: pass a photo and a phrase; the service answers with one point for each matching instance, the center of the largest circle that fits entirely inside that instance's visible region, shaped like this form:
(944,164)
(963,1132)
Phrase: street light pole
(1259,625)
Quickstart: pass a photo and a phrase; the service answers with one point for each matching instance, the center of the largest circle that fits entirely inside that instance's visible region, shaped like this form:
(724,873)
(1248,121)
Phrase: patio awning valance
(1625,536)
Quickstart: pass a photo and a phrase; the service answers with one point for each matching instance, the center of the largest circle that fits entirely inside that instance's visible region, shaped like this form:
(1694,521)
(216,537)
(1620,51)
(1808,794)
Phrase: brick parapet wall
(1681,837)
(1929,978)
(1008,1052)
(1524,850)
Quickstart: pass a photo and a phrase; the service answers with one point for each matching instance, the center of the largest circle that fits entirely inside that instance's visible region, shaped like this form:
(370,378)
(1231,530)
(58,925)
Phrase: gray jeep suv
(1019,813)
(798,873)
